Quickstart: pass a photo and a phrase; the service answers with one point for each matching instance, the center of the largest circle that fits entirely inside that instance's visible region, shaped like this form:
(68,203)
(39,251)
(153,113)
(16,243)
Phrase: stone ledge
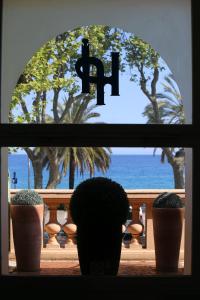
(71,254)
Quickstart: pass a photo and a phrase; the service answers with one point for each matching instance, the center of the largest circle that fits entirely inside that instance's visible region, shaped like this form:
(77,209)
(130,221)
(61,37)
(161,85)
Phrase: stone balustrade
(56,221)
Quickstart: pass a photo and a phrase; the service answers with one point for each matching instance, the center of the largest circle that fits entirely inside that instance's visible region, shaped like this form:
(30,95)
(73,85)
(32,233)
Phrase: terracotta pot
(167,226)
(27,222)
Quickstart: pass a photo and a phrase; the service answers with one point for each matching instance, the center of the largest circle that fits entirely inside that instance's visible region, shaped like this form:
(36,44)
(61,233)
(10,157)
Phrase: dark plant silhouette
(99,207)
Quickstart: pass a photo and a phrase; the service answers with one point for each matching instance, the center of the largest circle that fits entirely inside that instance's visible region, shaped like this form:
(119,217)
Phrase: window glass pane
(50,91)
(144,173)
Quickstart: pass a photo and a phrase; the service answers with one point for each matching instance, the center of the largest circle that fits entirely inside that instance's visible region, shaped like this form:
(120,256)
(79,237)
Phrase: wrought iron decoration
(100,80)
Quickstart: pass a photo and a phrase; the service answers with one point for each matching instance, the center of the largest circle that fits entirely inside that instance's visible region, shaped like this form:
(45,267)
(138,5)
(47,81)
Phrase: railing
(57,221)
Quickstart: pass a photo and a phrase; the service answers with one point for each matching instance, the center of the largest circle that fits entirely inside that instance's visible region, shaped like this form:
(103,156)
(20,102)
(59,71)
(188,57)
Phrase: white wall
(165,24)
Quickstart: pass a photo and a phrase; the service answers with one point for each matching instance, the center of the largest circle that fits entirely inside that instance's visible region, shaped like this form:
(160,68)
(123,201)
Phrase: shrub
(168,200)
(99,200)
(26,197)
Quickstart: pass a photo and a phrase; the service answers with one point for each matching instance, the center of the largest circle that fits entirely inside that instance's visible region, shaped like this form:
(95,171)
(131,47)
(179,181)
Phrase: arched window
(49,91)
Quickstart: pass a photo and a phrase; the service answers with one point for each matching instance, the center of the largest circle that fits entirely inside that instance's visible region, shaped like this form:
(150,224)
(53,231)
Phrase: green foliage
(170,105)
(143,52)
(26,197)
(173,109)
(88,158)
(99,199)
(12,150)
(52,69)
(168,200)
(141,57)
(150,115)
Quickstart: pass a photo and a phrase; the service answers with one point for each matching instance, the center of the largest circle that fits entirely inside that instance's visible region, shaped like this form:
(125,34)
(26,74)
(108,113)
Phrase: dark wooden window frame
(122,136)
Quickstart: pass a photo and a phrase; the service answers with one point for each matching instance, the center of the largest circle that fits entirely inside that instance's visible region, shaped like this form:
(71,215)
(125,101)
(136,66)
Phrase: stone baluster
(70,229)
(135,228)
(136,212)
(149,228)
(52,227)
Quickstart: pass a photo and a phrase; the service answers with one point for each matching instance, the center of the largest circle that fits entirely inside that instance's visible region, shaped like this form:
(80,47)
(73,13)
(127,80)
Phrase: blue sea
(131,171)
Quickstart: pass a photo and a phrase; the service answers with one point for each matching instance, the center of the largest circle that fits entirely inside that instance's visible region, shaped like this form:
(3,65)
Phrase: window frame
(121,136)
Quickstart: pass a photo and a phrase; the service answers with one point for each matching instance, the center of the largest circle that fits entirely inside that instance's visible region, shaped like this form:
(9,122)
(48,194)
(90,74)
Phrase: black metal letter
(100,80)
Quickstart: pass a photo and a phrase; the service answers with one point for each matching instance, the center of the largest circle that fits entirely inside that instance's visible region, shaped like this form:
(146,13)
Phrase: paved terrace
(126,268)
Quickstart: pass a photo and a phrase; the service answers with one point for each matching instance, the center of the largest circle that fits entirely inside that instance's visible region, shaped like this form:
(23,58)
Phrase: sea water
(131,171)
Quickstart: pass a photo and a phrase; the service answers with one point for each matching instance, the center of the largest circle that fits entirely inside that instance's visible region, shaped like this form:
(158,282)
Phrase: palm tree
(82,158)
(85,158)
(171,111)
(150,115)
(170,105)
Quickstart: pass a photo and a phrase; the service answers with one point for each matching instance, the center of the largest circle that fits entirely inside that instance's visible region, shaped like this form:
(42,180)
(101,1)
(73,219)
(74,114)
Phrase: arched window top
(49,89)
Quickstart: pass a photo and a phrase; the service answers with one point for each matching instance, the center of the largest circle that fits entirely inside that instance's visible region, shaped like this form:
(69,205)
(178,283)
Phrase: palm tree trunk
(179,182)
(38,162)
(178,168)
(71,169)
(38,177)
(54,175)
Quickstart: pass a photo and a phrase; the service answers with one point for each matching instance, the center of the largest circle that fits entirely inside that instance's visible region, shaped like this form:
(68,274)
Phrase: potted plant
(168,213)
(99,207)
(27,219)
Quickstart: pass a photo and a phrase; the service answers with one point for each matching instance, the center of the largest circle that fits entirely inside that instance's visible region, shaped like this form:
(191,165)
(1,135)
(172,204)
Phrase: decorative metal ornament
(100,80)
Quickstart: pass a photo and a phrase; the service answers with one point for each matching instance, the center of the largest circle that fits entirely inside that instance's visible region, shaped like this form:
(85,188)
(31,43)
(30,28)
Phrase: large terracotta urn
(27,222)
(167,226)
(168,214)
